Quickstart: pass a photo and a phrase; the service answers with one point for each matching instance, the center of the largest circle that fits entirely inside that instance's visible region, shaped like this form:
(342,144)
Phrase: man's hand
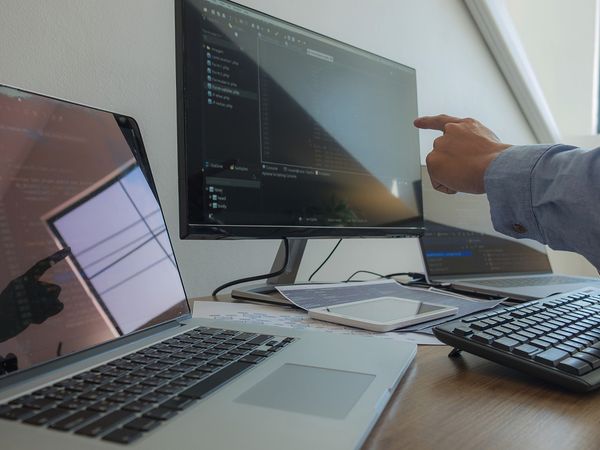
(461,156)
(28,300)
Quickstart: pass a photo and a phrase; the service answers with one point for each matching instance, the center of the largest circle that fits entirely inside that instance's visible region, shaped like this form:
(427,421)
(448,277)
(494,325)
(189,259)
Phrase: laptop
(98,347)
(461,248)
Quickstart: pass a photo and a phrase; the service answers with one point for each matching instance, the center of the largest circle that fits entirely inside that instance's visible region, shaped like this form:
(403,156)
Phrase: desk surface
(470,403)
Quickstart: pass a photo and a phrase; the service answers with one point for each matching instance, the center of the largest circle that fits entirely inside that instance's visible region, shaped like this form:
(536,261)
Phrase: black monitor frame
(413,227)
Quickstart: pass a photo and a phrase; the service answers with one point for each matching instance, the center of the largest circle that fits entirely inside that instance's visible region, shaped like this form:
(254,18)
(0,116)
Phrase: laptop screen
(84,251)
(460,239)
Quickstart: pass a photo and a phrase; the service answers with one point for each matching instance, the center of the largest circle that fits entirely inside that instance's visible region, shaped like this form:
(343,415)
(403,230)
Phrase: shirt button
(518,228)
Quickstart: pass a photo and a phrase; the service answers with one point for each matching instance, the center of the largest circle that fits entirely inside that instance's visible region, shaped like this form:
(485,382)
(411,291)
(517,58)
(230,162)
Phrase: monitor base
(260,293)
(266,292)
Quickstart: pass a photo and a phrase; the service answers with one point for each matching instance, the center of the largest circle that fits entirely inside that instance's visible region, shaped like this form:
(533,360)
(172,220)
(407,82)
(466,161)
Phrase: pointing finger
(40,267)
(438,122)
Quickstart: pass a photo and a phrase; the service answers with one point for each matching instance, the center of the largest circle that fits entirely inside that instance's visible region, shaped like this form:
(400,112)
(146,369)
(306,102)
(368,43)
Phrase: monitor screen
(284,132)
(460,239)
(84,252)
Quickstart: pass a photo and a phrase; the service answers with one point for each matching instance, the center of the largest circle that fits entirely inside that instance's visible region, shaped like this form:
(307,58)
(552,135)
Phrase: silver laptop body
(98,347)
(461,248)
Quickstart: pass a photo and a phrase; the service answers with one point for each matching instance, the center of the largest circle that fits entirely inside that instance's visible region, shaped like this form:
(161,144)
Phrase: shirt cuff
(508,184)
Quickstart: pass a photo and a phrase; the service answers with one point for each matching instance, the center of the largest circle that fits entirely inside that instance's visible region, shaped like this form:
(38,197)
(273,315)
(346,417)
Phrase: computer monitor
(283,132)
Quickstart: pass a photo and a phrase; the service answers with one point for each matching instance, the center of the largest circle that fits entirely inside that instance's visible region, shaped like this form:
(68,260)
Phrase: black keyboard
(121,400)
(556,338)
(528,281)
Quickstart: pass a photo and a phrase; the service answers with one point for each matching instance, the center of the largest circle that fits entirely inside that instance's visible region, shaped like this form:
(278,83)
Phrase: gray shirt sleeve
(550,193)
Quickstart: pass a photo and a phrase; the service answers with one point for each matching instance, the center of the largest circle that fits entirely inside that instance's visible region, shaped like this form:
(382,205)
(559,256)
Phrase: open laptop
(461,248)
(98,347)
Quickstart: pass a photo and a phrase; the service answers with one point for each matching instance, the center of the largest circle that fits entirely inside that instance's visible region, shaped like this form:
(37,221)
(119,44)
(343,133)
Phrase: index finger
(40,267)
(438,122)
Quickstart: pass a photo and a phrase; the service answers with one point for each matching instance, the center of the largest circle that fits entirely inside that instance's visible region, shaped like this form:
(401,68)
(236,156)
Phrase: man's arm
(550,194)
(542,192)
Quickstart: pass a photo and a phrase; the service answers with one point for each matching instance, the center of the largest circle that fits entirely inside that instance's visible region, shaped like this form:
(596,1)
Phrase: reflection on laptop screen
(69,180)
(460,239)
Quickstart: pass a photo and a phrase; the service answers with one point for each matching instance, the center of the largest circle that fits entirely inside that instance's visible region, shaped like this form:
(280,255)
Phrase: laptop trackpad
(309,390)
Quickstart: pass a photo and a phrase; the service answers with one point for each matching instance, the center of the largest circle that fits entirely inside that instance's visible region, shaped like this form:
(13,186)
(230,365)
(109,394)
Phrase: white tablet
(382,313)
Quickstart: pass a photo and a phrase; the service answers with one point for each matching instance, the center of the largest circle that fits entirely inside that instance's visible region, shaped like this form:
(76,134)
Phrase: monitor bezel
(413,227)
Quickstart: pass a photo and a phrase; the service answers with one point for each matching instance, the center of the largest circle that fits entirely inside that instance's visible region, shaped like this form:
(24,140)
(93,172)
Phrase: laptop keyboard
(556,338)
(527,281)
(121,400)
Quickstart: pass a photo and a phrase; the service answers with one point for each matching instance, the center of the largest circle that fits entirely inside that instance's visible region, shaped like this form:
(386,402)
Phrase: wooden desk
(470,403)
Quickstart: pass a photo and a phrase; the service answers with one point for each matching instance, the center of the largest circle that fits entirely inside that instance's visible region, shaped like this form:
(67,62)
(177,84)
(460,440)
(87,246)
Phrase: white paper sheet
(287,317)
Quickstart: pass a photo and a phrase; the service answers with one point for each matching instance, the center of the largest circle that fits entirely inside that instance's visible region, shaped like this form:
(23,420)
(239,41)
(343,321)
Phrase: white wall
(119,55)
(561,41)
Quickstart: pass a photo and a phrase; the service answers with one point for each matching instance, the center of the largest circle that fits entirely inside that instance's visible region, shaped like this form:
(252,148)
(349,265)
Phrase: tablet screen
(385,309)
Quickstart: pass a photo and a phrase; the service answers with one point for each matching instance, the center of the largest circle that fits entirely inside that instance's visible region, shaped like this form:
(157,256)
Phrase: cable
(259,277)
(349,279)
(326,259)
(417,277)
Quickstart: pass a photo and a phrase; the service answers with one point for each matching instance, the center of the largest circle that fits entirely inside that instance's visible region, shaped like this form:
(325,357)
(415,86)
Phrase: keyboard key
(541,327)
(153,397)
(526,350)
(470,319)
(529,323)
(491,331)
(103,406)
(480,325)
(503,330)
(107,422)
(526,334)
(142,424)
(518,314)
(541,344)
(551,341)
(93,395)
(46,417)
(44,392)
(558,337)
(177,403)
(483,337)
(75,404)
(75,420)
(160,413)
(562,334)
(463,330)
(260,339)
(575,366)
(567,348)
(39,403)
(505,343)
(138,406)
(518,337)
(17,413)
(592,351)
(120,397)
(584,341)
(255,359)
(551,357)
(491,322)
(592,360)
(590,336)
(205,386)
(577,326)
(123,436)
(578,345)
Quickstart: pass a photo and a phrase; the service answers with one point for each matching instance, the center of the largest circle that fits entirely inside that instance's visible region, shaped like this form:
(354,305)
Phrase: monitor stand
(264,292)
